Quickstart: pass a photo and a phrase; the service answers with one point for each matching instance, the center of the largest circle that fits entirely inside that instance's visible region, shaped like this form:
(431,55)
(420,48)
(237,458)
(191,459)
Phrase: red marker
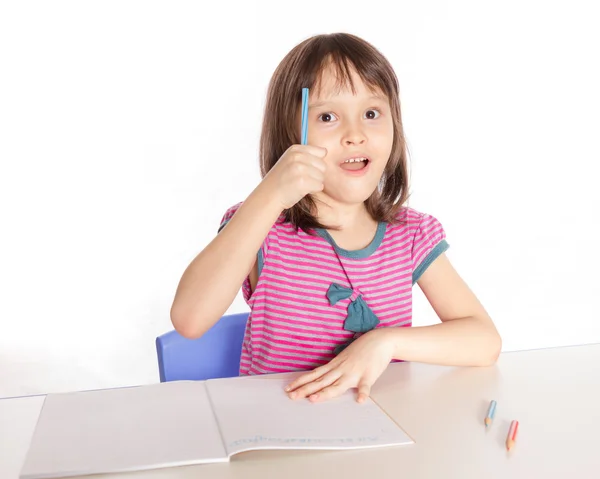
(512,435)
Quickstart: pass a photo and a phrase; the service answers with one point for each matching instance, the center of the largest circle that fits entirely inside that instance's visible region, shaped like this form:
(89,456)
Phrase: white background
(127,128)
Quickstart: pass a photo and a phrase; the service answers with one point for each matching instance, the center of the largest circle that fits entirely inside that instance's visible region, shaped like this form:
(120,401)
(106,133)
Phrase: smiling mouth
(355,164)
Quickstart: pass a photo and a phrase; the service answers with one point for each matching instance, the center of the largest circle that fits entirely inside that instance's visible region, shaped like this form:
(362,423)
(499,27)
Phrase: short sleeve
(429,242)
(228,215)
(246,287)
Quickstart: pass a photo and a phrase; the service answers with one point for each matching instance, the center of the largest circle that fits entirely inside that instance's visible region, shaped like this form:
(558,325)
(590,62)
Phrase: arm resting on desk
(458,342)
(466,336)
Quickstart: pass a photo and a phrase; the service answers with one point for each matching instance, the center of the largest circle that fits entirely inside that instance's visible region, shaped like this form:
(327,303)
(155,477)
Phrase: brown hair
(302,67)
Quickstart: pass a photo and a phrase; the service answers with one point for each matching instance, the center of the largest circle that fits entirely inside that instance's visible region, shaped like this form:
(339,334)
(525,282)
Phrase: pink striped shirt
(292,325)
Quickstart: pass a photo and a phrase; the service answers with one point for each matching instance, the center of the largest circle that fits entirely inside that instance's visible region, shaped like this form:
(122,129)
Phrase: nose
(354,135)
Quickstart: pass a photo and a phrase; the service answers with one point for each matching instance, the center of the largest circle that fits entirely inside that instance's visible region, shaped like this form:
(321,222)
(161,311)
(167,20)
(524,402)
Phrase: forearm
(461,342)
(212,280)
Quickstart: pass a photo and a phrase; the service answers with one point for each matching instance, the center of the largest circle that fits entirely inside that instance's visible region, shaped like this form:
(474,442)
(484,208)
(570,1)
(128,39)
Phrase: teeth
(354,160)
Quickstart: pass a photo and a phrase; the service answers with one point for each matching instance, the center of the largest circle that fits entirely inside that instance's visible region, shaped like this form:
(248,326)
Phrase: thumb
(364,389)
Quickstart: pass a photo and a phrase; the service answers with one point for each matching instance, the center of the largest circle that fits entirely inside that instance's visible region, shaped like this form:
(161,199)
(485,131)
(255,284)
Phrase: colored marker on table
(304,116)
(512,435)
(490,414)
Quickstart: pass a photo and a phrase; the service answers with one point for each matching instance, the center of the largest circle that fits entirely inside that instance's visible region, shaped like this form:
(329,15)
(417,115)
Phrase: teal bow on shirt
(360,317)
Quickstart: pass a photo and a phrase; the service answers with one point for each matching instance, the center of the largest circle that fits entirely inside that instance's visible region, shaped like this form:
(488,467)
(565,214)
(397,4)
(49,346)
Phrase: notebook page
(124,429)
(256,413)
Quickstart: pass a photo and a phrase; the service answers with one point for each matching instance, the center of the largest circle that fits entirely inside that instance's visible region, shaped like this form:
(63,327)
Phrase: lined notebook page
(125,429)
(256,413)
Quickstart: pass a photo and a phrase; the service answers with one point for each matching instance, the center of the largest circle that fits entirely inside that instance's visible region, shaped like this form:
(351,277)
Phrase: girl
(338,253)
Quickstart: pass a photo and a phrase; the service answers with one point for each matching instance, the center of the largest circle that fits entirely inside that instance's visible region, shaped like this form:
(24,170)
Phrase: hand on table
(357,366)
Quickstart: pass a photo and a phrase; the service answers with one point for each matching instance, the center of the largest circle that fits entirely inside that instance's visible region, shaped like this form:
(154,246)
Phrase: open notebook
(193,422)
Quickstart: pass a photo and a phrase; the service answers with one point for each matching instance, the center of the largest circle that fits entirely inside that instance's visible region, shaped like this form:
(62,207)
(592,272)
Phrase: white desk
(553,393)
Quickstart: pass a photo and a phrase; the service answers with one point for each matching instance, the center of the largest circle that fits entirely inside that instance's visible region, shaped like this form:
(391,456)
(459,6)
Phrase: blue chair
(216,354)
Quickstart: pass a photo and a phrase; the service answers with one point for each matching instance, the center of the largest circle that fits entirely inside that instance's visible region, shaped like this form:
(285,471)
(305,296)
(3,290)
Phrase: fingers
(315,184)
(304,167)
(313,163)
(318,163)
(364,390)
(317,151)
(315,386)
(307,377)
(336,389)
(312,178)
(316,174)
(311,155)
(333,390)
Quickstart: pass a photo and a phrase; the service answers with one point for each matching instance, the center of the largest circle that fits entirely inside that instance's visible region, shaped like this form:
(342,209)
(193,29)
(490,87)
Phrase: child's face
(351,126)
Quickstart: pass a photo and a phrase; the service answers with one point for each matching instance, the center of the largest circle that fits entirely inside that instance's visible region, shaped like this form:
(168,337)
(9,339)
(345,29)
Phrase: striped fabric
(292,325)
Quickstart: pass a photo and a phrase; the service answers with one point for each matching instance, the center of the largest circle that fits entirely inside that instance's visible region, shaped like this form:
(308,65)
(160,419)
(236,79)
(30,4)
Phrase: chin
(351,197)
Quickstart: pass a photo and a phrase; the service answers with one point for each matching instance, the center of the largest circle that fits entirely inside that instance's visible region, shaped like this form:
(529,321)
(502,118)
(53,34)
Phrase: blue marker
(304,116)
(490,414)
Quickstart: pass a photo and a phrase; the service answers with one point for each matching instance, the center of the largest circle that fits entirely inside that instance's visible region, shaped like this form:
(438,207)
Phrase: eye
(326,117)
(373,114)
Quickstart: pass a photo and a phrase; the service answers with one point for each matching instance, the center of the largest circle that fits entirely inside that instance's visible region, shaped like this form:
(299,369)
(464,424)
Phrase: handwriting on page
(303,440)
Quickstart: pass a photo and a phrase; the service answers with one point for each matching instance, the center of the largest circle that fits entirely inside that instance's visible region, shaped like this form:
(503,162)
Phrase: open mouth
(355,164)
